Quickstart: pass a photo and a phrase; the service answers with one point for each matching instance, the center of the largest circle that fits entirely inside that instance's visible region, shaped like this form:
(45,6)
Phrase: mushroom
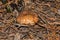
(27,18)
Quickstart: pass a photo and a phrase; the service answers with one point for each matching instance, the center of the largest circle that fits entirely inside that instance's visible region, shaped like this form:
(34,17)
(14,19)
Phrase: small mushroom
(27,18)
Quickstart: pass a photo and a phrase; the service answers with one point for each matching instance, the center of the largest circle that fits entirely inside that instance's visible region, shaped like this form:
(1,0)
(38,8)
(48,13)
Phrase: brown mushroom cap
(27,18)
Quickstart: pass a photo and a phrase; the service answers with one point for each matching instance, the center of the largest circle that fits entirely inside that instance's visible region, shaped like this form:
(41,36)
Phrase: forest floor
(47,28)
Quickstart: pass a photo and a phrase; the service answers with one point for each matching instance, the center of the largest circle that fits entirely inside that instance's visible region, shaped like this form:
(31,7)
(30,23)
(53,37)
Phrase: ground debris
(47,27)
